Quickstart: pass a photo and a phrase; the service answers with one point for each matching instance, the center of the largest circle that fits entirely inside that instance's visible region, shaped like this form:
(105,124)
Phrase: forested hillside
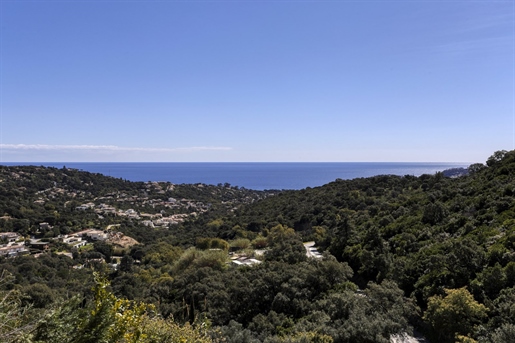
(430,253)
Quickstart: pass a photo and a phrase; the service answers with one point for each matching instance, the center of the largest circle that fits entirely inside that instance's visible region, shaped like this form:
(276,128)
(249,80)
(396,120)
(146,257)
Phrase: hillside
(434,253)
(70,200)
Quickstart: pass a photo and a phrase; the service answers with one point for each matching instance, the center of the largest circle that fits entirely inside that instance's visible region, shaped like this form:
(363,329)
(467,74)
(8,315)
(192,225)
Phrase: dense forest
(402,256)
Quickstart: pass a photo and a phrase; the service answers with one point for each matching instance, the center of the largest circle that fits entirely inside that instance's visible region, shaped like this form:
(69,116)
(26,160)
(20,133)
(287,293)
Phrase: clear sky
(228,81)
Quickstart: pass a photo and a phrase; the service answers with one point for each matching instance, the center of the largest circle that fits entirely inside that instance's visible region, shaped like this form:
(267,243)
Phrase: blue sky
(256,80)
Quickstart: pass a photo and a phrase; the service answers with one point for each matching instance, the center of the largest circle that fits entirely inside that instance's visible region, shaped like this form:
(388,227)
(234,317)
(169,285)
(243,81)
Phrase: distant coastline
(251,175)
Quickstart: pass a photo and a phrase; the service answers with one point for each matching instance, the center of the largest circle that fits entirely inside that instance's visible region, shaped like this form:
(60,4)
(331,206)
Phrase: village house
(74,241)
(45,226)
(85,207)
(79,244)
(160,222)
(39,245)
(151,215)
(130,213)
(96,235)
(13,250)
(9,237)
(244,261)
(311,250)
(105,207)
(148,223)
(77,239)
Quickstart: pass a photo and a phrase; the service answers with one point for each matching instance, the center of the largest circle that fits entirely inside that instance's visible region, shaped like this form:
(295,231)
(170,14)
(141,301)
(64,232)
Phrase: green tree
(285,245)
(496,157)
(433,213)
(105,249)
(126,264)
(38,295)
(455,314)
(503,334)
(476,167)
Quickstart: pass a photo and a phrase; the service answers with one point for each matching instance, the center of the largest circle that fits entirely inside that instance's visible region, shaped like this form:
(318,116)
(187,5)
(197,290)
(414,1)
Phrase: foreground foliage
(105,319)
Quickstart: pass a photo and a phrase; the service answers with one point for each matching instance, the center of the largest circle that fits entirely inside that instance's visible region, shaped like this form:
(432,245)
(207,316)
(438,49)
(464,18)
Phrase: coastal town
(93,218)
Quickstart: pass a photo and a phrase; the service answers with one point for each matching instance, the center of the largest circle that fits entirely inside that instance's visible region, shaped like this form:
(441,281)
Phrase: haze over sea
(258,176)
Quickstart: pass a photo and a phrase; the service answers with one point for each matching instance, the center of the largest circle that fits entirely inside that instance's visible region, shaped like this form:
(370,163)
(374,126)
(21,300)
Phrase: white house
(13,250)
(97,235)
(9,236)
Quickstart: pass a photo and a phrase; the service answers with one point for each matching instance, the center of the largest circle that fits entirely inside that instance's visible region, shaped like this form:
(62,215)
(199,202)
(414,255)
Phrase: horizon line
(59,162)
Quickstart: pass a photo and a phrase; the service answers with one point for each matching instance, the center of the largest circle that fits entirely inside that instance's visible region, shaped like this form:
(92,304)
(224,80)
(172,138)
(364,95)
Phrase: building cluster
(243,260)
(81,238)
(147,219)
(311,250)
(11,244)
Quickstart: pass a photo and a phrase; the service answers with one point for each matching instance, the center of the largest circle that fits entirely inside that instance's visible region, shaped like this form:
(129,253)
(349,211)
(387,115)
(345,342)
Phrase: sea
(251,175)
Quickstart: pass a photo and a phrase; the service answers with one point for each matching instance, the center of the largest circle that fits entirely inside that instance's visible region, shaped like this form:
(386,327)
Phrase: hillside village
(14,244)
(151,205)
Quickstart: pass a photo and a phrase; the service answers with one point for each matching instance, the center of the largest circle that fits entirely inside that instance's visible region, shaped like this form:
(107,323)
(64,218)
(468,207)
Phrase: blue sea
(258,175)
